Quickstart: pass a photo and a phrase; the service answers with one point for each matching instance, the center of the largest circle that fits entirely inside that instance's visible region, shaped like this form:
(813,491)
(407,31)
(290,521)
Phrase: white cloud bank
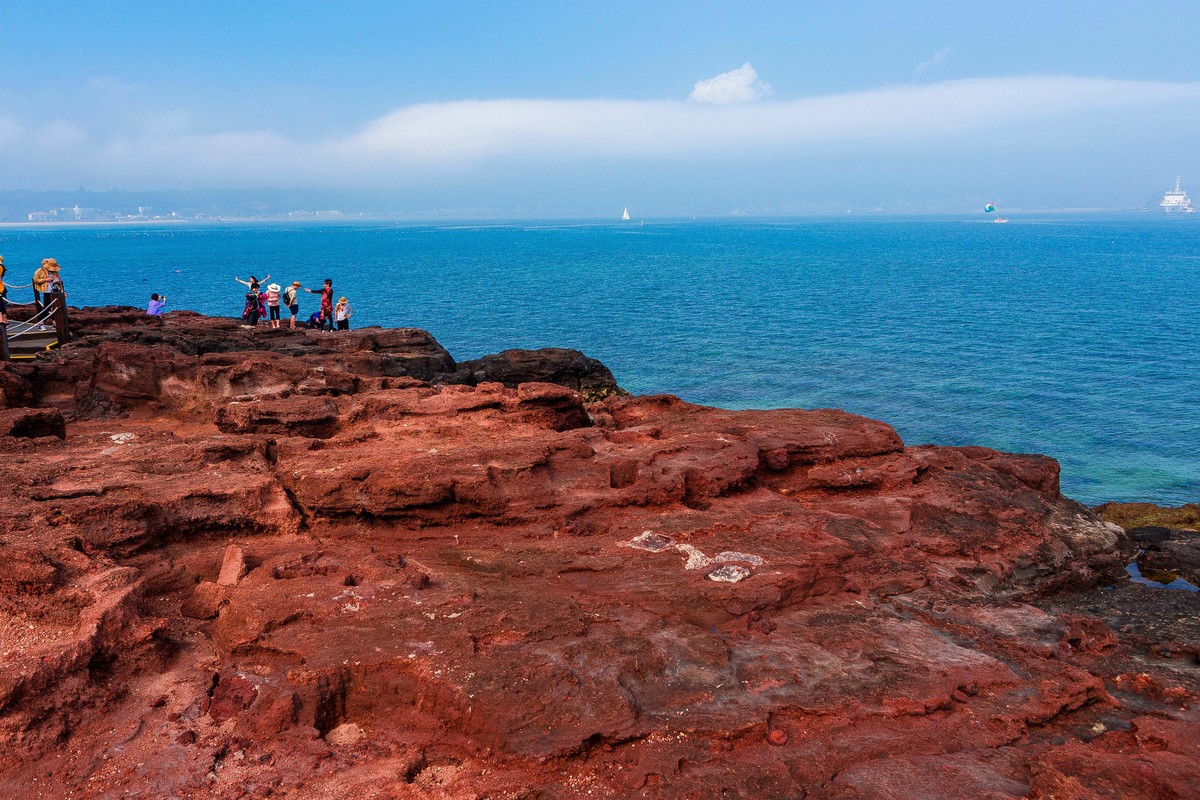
(435,138)
(557,128)
(740,85)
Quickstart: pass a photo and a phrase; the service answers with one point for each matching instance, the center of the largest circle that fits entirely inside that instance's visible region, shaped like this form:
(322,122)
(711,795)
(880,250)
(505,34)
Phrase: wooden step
(29,342)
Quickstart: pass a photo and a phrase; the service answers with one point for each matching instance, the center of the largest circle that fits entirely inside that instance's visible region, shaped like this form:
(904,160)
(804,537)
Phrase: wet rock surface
(1168,555)
(300,566)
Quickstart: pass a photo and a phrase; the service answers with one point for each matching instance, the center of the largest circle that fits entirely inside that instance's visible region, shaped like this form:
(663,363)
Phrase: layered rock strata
(309,565)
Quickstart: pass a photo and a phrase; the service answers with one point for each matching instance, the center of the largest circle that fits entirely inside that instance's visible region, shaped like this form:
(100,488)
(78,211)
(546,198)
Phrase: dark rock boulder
(569,368)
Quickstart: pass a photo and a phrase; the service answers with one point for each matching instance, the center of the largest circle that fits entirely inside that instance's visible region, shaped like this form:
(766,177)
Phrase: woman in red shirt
(326,303)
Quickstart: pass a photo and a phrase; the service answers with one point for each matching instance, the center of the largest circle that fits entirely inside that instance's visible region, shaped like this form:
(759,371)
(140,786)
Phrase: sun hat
(341,300)
(296,283)
(274,287)
(51,264)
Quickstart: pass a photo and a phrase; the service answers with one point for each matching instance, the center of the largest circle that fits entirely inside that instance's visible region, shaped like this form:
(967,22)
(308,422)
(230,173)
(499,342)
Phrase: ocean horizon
(1071,335)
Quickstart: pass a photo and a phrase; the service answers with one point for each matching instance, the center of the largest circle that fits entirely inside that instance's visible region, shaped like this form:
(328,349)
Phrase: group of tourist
(269,302)
(46,279)
(260,303)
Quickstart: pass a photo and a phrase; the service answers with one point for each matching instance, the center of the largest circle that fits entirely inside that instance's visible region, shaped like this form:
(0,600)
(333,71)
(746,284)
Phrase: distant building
(42,216)
(314,214)
(78,214)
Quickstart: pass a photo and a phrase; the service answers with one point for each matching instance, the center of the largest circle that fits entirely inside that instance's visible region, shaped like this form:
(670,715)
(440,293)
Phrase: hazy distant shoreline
(966,215)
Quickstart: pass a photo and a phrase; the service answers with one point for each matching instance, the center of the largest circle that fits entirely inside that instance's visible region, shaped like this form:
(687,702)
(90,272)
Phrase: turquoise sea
(1073,336)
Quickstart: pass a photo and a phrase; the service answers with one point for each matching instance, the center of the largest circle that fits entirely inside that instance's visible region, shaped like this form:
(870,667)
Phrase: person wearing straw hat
(341,314)
(56,281)
(3,296)
(273,304)
(43,280)
(291,299)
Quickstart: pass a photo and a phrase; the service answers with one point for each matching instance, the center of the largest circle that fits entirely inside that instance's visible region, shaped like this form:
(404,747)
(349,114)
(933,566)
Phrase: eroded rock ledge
(318,565)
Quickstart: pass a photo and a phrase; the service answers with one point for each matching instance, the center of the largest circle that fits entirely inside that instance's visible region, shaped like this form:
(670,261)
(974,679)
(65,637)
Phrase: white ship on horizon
(1176,201)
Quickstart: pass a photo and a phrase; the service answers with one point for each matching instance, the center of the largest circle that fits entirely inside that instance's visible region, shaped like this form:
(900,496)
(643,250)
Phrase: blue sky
(572,107)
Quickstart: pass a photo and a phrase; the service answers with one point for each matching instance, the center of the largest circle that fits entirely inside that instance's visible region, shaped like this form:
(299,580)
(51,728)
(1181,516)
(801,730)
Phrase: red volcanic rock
(206,601)
(131,373)
(230,697)
(296,416)
(15,391)
(233,566)
(26,570)
(267,565)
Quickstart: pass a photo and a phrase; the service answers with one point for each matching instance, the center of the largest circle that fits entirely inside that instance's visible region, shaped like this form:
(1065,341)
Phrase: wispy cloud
(739,85)
(935,60)
(433,138)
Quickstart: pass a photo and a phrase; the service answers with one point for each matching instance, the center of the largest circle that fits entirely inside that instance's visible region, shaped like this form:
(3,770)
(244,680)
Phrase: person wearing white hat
(273,304)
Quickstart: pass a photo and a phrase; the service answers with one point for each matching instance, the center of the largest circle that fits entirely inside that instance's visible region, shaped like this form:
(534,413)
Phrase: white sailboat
(625,214)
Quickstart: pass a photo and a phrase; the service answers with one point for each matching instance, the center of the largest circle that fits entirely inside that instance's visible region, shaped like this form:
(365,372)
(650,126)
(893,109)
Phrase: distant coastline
(730,218)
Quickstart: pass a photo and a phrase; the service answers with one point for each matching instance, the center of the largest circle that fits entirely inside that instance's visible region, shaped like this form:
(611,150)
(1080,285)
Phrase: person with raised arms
(251,284)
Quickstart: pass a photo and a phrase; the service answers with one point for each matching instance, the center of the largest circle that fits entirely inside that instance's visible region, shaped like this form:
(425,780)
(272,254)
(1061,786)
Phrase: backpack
(289,296)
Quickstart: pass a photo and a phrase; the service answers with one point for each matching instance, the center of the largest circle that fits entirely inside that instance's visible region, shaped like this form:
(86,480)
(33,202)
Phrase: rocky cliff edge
(249,563)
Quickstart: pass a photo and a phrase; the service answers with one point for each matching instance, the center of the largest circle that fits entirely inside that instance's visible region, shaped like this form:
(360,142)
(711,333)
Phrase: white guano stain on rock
(696,559)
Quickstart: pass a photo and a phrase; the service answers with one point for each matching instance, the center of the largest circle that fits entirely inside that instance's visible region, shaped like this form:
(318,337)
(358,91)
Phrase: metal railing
(53,312)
